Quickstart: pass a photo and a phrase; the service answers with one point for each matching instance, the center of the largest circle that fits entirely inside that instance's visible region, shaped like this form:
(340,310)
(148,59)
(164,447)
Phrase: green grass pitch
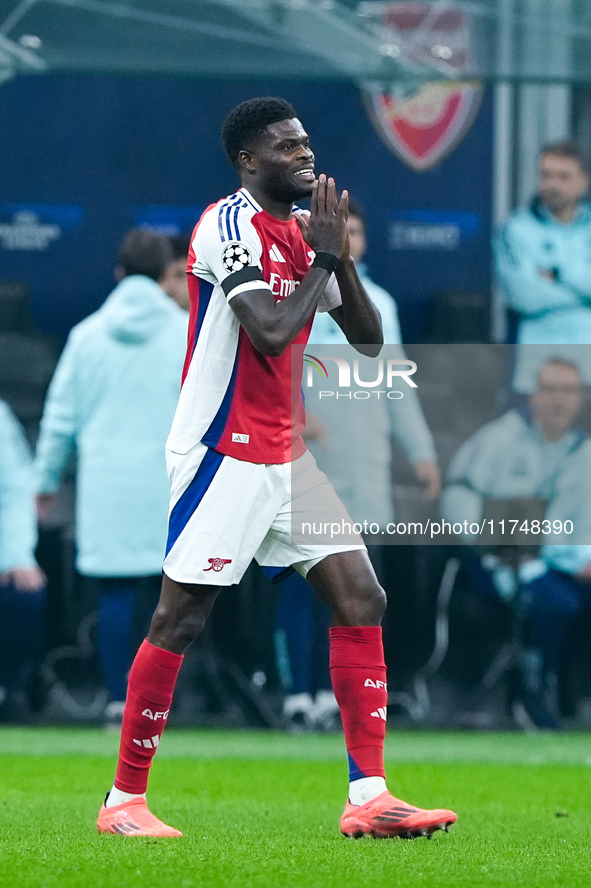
(262,809)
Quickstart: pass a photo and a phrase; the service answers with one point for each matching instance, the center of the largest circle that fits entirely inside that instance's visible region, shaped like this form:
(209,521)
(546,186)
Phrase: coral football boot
(133,819)
(387,817)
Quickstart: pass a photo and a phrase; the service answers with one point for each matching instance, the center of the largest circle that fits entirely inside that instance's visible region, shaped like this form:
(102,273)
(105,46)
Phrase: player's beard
(283,189)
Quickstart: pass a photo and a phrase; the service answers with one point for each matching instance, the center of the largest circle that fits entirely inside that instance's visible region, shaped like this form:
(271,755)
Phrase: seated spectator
(22,583)
(534,454)
(112,400)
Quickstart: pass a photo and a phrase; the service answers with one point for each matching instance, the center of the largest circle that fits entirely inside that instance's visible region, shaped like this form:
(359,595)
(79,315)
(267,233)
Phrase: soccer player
(258,270)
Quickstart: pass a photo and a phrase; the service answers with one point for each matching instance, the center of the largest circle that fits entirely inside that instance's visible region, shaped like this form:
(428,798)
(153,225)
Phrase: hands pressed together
(325,229)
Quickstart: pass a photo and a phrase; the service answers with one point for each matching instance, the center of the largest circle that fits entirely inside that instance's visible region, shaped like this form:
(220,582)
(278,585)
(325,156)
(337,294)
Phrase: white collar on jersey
(248,196)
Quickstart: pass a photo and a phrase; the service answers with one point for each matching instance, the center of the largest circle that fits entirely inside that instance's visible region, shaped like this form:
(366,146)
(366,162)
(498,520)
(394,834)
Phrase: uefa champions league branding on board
(36,227)
(343,378)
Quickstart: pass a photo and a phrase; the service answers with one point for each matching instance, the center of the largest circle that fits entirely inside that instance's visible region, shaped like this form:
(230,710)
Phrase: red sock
(149,696)
(358,674)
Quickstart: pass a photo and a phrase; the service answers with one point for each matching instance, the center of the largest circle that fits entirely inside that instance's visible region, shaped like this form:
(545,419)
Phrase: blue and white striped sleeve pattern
(228,249)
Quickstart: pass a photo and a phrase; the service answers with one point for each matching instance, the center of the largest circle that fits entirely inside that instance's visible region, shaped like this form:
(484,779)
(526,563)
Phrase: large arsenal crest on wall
(423,124)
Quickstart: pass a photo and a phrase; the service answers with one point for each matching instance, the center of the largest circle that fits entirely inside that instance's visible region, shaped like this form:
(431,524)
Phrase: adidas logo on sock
(380,713)
(148,744)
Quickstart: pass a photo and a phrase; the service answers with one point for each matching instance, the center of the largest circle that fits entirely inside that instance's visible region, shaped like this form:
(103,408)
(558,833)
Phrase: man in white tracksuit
(534,452)
(22,583)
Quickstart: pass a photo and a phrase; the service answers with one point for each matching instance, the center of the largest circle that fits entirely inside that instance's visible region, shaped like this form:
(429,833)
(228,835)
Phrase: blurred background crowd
(463,132)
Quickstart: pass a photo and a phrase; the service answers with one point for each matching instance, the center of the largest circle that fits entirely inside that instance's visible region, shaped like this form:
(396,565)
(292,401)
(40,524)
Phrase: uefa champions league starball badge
(235,257)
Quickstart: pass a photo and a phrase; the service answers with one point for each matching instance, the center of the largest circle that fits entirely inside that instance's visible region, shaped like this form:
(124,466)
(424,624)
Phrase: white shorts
(224,512)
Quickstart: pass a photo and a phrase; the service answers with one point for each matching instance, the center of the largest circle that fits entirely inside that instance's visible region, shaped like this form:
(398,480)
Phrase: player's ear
(245,162)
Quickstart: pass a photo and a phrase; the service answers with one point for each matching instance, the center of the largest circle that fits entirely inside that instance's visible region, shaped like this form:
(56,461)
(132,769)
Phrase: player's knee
(189,629)
(174,628)
(376,603)
(366,604)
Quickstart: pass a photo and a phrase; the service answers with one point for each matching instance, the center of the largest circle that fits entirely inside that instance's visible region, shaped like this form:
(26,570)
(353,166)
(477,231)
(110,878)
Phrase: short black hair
(146,252)
(180,244)
(355,209)
(249,120)
(566,148)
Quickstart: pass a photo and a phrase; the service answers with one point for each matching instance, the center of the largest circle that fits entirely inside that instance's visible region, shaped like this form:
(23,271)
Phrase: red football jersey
(235,399)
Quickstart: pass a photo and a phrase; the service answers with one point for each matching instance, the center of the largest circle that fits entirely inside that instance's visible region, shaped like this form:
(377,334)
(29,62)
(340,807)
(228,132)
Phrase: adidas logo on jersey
(369,683)
(380,713)
(275,254)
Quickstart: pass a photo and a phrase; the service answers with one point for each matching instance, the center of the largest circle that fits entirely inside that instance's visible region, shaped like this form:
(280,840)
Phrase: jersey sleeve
(227,250)
(331,298)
